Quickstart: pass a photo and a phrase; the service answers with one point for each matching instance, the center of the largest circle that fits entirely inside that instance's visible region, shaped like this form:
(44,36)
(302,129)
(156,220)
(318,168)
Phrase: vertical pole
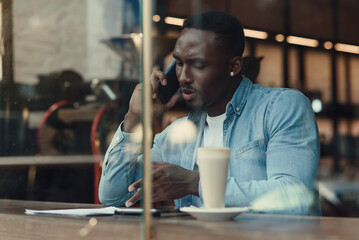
(334,104)
(147,117)
(301,68)
(7,74)
(348,93)
(252,48)
(7,41)
(285,48)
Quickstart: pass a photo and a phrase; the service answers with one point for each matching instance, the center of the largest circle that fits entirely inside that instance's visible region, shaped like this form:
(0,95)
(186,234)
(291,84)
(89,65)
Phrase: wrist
(193,183)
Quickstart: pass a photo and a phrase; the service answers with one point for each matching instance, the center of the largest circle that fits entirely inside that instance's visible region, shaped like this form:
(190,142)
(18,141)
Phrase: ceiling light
(174,21)
(302,41)
(346,48)
(255,34)
(280,38)
(328,45)
(156,18)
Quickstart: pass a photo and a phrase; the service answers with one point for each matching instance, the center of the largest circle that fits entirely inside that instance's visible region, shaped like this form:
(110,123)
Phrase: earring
(231,74)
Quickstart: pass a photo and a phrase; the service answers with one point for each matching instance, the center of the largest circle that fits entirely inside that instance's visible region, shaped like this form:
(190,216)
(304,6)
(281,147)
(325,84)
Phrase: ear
(236,65)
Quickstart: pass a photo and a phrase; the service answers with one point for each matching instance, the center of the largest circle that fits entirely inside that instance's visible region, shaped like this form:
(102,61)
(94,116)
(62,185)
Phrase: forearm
(130,122)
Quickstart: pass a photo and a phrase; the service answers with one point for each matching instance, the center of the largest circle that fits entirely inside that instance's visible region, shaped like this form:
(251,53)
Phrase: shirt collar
(239,98)
(237,102)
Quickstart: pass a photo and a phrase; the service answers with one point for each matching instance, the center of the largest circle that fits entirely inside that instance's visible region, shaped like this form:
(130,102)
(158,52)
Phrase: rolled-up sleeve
(121,167)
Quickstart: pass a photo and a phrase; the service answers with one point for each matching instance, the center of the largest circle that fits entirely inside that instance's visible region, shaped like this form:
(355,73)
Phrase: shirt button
(237,109)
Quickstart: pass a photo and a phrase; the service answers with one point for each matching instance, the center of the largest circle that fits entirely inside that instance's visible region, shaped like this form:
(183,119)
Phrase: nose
(184,74)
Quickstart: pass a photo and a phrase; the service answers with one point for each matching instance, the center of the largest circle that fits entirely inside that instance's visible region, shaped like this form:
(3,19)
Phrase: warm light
(302,41)
(328,45)
(255,34)
(25,114)
(279,38)
(156,18)
(346,48)
(136,35)
(292,196)
(137,39)
(174,21)
(137,134)
(182,131)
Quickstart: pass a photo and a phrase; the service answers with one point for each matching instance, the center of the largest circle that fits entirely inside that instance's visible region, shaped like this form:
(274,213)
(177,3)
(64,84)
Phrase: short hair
(224,25)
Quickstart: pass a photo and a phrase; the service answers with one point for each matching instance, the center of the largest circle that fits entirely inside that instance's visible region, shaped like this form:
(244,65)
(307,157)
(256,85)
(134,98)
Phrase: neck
(220,107)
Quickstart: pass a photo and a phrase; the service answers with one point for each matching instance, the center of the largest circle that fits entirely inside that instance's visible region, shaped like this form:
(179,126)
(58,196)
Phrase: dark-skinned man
(272,132)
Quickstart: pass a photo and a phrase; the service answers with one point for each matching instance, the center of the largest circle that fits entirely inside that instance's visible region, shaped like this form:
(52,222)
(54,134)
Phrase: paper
(75,212)
(97,211)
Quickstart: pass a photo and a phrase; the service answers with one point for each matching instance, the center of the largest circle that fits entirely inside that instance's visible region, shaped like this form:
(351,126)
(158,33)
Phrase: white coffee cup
(213,169)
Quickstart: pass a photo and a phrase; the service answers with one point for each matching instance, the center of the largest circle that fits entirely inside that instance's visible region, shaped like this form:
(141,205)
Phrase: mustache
(187,87)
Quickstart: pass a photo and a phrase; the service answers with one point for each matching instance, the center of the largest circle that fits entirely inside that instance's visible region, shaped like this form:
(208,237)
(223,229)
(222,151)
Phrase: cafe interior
(68,69)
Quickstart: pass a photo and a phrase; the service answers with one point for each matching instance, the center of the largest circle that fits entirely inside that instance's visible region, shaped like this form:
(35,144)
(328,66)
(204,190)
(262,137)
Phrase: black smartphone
(162,212)
(166,92)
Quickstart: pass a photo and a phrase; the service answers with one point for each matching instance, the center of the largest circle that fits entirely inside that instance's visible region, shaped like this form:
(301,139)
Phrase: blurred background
(68,69)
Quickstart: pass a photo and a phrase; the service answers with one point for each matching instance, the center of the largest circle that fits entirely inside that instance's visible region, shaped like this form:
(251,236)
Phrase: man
(272,133)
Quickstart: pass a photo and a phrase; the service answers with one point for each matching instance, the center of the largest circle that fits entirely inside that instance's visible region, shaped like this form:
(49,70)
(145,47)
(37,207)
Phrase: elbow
(104,195)
(109,199)
(110,194)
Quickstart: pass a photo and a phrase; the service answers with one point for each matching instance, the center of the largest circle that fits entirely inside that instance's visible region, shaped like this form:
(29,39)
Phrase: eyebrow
(195,59)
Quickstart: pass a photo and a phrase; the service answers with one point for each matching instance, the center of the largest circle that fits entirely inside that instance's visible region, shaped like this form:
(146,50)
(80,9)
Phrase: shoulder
(278,96)
(291,99)
(290,107)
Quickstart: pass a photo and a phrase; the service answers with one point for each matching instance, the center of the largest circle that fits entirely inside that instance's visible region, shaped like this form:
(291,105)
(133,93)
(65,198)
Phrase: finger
(161,77)
(157,77)
(156,165)
(135,198)
(172,101)
(135,185)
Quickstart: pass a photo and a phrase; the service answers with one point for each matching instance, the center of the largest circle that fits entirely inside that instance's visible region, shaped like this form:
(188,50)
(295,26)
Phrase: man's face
(202,69)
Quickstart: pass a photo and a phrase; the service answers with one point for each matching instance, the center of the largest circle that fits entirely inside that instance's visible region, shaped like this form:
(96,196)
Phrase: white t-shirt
(213,131)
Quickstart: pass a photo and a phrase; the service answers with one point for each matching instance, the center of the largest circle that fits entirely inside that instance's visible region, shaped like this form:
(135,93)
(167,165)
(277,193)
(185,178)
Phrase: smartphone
(166,92)
(162,212)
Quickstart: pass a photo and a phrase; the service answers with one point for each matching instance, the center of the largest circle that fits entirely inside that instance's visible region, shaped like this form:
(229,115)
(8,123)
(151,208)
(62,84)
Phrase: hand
(169,182)
(133,115)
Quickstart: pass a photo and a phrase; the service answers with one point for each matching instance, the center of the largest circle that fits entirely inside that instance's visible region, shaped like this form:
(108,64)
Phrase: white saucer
(214,214)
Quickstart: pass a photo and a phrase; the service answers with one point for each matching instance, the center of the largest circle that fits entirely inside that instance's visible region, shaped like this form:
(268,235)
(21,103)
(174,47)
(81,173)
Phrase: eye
(199,66)
(179,64)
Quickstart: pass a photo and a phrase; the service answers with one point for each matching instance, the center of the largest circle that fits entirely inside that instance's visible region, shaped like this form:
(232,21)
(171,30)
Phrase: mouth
(188,94)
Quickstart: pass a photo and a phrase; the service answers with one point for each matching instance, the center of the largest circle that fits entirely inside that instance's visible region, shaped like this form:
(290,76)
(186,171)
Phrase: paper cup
(213,168)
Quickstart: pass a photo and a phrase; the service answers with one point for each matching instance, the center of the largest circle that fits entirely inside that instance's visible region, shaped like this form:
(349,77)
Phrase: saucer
(214,214)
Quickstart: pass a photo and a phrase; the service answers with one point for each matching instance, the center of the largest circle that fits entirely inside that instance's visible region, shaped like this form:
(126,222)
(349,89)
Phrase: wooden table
(14,224)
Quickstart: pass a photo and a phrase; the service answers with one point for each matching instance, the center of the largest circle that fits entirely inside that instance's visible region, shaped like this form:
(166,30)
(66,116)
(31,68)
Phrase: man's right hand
(133,115)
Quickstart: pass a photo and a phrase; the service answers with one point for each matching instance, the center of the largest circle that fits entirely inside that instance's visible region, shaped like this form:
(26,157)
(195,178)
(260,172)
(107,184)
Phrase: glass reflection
(68,72)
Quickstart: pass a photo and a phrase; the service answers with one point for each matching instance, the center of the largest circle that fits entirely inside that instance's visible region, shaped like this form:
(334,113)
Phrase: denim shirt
(273,136)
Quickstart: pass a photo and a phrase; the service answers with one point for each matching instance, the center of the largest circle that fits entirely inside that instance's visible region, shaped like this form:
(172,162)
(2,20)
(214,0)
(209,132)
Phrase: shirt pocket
(250,161)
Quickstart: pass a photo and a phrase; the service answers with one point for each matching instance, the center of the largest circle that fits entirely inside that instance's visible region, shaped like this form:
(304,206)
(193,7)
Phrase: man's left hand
(169,182)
